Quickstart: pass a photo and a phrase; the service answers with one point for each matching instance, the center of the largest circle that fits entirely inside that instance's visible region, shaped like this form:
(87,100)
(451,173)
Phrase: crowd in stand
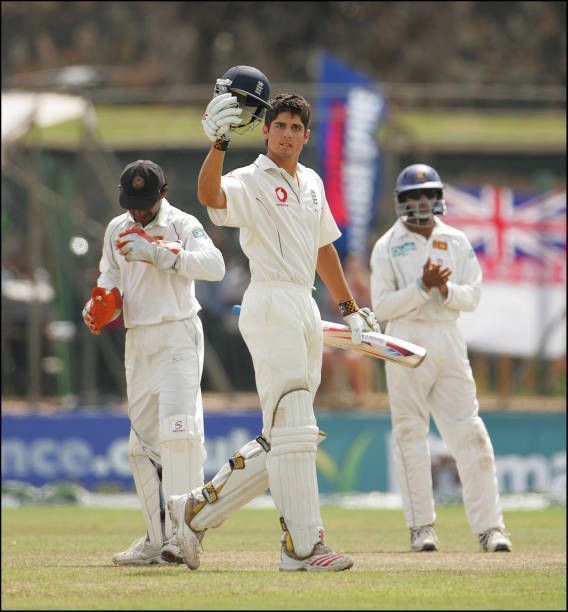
(146,43)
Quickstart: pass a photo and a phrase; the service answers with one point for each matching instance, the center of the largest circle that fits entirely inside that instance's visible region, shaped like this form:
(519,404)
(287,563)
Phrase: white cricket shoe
(189,541)
(423,539)
(322,559)
(140,552)
(171,552)
(494,540)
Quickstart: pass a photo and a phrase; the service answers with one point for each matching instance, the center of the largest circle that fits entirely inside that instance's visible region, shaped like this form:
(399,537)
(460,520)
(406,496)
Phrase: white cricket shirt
(282,226)
(150,295)
(396,263)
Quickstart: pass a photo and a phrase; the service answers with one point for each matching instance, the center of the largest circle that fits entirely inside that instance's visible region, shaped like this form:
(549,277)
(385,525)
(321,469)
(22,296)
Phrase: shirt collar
(265,163)
(400,229)
(161,219)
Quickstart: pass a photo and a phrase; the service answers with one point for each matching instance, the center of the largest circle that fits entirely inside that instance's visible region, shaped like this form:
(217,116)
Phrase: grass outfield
(164,125)
(59,557)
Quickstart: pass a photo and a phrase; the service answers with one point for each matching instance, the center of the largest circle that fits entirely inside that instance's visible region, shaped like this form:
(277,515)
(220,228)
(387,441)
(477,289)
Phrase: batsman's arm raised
(222,113)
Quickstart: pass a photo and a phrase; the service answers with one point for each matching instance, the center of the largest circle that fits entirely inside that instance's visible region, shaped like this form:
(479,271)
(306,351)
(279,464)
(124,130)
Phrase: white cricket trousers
(443,387)
(281,325)
(164,364)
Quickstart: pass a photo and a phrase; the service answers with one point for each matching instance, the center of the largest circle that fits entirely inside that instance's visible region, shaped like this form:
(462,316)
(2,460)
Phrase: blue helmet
(252,89)
(415,180)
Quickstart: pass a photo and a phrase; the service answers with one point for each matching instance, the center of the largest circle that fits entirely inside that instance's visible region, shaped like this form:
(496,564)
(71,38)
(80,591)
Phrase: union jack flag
(518,238)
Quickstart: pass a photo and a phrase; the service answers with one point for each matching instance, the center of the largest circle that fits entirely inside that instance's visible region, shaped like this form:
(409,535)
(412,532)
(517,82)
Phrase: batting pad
(182,454)
(147,485)
(291,467)
(238,482)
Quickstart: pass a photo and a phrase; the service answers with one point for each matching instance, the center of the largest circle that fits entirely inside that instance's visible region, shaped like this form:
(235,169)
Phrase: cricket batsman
(287,232)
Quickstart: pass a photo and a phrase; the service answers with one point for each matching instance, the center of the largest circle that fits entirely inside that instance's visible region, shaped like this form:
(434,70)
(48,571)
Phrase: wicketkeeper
(152,254)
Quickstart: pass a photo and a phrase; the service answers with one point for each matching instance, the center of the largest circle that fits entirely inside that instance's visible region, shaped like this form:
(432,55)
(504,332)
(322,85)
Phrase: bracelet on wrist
(221,144)
(422,286)
(348,307)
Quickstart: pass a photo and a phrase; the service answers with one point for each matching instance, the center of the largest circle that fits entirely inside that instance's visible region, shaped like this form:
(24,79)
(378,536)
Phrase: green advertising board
(530,453)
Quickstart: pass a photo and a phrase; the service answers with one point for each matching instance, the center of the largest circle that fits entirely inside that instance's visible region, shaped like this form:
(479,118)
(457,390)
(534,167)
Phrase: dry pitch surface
(59,558)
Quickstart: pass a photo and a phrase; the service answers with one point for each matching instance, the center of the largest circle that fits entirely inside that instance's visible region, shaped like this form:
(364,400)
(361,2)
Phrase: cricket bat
(375,344)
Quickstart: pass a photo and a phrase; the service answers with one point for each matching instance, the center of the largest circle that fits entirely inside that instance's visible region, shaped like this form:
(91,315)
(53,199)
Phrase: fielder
(152,254)
(286,231)
(423,273)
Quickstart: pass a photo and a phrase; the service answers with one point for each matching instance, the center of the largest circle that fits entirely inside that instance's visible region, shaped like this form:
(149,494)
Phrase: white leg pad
(182,455)
(291,466)
(147,483)
(238,482)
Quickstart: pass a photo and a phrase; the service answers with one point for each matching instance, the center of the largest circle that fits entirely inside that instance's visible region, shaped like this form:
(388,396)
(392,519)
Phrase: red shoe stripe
(325,560)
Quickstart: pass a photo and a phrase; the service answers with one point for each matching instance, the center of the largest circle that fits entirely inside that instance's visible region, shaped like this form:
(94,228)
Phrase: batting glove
(361,321)
(221,114)
(137,245)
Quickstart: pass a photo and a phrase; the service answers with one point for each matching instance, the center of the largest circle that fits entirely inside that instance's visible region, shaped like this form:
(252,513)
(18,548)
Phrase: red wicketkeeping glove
(103,307)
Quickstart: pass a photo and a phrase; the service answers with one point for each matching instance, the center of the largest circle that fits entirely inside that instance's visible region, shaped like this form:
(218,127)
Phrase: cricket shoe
(189,541)
(423,539)
(171,552)
(494,540)
(140,552)
(322,559)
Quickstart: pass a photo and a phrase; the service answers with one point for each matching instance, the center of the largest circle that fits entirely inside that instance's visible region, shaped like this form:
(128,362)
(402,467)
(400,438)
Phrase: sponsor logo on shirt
(282,196)
(197,232)
(440,244)
(403,249)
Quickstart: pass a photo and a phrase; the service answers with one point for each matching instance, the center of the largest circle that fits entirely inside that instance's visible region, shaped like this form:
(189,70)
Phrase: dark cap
(140,184)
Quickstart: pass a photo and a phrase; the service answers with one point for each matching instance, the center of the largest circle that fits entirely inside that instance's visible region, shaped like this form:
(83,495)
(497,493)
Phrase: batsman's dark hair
(289,103)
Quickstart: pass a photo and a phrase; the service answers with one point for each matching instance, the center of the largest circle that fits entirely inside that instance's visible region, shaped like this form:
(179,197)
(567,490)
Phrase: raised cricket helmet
(252,89)
(412,184)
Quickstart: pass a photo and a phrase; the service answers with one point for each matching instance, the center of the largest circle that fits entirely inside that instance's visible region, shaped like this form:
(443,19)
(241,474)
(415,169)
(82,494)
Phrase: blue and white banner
(91,449)
(349,109)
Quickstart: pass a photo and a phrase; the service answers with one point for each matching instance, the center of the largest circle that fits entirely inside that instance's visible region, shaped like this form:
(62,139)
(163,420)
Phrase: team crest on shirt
(282,196)
(440,244)
(315,200)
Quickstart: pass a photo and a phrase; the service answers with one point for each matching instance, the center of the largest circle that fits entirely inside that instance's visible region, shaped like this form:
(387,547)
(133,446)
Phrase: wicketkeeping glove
(137,245)
(221,114)
(103,307)
(361,321)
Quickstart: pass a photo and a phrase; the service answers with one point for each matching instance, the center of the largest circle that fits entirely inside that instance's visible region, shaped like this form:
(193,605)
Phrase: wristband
(422,286)
(221,144)
(348,307)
